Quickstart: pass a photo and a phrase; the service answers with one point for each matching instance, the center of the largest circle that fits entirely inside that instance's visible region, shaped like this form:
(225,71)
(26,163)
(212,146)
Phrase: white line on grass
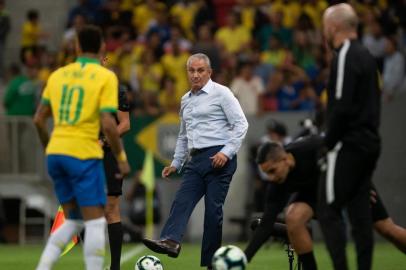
(131,253)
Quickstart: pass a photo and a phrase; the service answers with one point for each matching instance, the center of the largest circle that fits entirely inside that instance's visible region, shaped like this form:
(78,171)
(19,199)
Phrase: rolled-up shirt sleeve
(237,121)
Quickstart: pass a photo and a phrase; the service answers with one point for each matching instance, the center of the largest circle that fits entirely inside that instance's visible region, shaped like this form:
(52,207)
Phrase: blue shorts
(79,180)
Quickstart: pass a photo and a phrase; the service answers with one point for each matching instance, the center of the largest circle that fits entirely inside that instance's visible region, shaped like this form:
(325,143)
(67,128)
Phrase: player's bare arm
(124,122)
(40,120)
(110,130)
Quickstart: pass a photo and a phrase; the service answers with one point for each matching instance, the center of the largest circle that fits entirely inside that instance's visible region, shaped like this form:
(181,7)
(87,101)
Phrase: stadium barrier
(23,182)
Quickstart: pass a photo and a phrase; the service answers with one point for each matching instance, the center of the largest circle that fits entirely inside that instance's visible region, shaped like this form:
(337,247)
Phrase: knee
(112,211)
(294,220)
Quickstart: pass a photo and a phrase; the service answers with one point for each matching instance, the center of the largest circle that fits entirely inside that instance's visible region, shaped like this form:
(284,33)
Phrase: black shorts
(378,209)
(308,196)
(114,185)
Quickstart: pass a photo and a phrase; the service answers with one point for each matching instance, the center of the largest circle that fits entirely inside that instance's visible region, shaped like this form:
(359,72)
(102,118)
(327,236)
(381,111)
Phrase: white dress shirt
(210,117)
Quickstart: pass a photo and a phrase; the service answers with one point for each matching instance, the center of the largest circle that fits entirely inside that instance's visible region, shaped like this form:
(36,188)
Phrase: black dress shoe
(166,246)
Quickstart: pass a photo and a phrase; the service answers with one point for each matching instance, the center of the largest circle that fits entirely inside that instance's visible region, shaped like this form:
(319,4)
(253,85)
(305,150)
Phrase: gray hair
(344,15)
(198,56)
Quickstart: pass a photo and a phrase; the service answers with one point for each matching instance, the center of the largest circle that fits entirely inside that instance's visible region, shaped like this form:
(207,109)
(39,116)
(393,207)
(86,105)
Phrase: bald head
(342,15)
(340,20)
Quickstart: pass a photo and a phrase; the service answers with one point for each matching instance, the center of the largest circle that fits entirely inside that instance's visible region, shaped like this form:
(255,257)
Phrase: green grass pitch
(270,257)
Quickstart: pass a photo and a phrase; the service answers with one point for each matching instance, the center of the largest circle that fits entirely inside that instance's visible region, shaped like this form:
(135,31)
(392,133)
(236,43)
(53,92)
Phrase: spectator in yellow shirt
(174,66)
(144,14)
(233,37)
(247,10)
(290,11)
(149,73)
(167,97)
(184,13)
(315,10)
(31,35)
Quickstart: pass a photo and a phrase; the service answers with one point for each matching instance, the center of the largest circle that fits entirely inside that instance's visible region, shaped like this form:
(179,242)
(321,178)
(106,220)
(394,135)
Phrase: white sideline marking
(131,253)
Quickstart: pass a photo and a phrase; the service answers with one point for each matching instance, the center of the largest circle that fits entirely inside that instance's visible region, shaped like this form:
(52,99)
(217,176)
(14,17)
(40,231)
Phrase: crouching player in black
(294,173)
(115,182)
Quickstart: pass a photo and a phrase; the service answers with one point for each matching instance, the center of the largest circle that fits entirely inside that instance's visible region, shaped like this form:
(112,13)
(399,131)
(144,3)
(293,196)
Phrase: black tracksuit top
(353,109)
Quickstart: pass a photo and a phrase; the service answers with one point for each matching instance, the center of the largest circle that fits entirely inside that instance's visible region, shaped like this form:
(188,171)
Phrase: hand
(373,196)
(167,171)
(124,168)
(219,160)
(103,141)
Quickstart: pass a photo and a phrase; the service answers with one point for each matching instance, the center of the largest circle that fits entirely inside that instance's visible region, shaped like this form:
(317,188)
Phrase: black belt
(196,151)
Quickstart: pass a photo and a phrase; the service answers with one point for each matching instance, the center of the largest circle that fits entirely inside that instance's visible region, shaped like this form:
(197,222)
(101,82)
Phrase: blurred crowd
(270,53)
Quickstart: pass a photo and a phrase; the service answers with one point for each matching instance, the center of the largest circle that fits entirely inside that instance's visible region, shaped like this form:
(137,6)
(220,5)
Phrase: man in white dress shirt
(212,129)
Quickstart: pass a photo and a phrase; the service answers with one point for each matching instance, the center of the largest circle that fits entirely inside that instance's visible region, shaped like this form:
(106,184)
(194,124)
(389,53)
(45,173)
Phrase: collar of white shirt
(206,88)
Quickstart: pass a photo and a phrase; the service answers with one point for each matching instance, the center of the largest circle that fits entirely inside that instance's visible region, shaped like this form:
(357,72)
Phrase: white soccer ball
(148,262)
(229,258)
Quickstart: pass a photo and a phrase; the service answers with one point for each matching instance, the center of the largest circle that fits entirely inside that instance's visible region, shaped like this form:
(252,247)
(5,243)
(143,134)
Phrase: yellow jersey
(233,39)
(77,94)
(30,34)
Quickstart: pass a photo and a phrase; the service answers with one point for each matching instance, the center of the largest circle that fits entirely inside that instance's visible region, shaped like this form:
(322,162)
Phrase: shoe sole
(159,250)
(173,255)
(154,247)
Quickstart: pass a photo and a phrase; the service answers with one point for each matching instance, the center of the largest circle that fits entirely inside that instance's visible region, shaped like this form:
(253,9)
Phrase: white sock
(57,241)
(95,242)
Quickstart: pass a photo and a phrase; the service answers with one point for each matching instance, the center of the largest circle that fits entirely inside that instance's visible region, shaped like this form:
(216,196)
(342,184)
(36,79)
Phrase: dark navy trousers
(201,179)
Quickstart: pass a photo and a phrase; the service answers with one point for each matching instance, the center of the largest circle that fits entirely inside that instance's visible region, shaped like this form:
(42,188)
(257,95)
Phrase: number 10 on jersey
(70,113)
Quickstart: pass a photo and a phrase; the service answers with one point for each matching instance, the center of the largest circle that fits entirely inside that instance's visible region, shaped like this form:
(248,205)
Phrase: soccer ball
(148,262)
(229,258)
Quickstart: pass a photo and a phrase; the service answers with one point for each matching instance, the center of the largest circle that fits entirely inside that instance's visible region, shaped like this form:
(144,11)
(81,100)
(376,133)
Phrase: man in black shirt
(352,139)
(115,182)
(293,172)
